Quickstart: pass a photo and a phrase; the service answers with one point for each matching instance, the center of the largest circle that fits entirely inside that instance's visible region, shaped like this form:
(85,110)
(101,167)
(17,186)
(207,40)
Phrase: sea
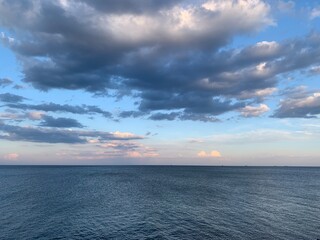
(159,202)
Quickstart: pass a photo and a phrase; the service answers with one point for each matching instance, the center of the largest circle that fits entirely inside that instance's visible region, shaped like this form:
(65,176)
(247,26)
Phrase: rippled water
(144,202)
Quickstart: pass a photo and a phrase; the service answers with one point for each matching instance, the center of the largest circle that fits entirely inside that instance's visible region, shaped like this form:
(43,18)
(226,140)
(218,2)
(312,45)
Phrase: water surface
(159,202)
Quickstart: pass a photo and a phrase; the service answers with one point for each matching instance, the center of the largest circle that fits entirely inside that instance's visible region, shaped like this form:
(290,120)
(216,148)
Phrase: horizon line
(154,165)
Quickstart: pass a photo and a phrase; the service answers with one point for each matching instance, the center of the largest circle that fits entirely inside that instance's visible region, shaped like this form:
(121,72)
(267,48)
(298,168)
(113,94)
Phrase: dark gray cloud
(199,117)
(145,46)
(18,86)
(11,98)
(17,133)
(48,121)
(153,50)
(53,107)
(56,135)
(134,114)
(189,101)
(164,116)
(127,6)
(299,104)
(183,116)
(4,82)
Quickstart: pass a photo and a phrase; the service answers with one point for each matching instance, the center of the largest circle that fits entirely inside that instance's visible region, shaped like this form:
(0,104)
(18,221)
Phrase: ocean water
(159,202)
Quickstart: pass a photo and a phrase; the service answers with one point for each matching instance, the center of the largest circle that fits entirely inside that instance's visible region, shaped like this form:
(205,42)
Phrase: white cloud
(134,154)
(214,154)
(182,23)
(254,10)
(251,111)
(266,48)
(118,134)
(315,12)
(202,154)
(260,93)
(5,39)
(35,115)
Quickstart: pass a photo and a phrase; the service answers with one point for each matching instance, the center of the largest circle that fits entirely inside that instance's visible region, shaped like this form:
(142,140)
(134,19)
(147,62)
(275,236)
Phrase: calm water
(137,202)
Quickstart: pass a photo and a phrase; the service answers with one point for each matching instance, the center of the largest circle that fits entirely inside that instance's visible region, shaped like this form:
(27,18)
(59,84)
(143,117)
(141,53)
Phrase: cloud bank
(58,135)
(170,56)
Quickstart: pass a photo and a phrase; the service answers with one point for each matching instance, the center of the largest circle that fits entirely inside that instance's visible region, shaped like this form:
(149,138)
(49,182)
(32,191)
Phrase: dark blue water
(138,202)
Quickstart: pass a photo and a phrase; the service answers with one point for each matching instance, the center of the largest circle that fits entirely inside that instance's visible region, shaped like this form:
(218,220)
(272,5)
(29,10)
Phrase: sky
(170,82)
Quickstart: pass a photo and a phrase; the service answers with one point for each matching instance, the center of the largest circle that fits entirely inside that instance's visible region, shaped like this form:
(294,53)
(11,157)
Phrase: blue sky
(170,82)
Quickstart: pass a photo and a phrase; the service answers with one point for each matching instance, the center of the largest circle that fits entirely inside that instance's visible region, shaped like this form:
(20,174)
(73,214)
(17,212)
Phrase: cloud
(4,82)
(11,98)
(123,135)
(128,149)
(299,105)
(134,154)
(56,135)
(199,117)
(10,116)
(107,152)
(251,111)
(172,57)
(315,70)
(49,121)
(120,145)
(13,115)
(134,114)
(295,92)
(183,116)
(35,115)
(18,86)
(11,156)
(53,107)
(202,154)
(32,134)
(286,6)
(8,41)
(164,116)
(259,95)
(315,12)
(124,50)
(214,154)
(124,6)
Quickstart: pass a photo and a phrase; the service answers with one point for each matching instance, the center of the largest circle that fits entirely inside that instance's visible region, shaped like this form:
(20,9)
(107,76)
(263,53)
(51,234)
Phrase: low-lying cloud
(48,121)
(214,154)
(11,98)
(57,135)
(64,108)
